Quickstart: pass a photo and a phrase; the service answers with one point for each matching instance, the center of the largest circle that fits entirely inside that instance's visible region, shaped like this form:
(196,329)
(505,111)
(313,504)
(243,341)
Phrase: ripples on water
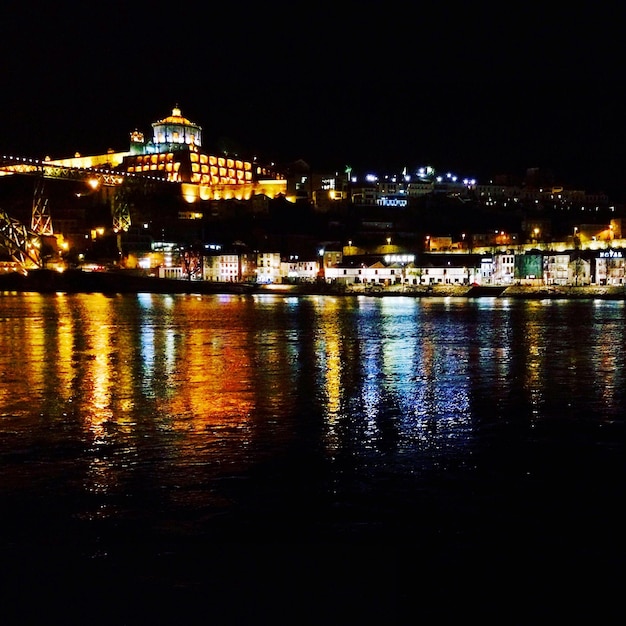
(149,431)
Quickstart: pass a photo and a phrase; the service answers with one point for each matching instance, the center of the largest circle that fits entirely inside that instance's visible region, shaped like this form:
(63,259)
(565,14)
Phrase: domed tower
(176,130)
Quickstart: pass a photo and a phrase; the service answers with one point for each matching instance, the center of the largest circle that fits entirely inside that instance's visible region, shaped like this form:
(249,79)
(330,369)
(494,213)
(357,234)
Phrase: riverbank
(511,291)
(77,281)
(605,292)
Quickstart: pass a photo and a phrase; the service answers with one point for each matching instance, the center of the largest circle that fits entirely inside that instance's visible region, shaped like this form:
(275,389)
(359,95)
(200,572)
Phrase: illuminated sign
(611,254)
(386,201)
(399,258)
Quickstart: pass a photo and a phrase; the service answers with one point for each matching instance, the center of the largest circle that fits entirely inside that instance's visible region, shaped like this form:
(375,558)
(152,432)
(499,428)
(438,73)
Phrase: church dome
(176,129)
(175,118)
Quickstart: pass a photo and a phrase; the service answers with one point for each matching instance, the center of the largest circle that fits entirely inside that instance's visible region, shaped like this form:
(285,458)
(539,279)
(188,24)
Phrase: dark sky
(381,84)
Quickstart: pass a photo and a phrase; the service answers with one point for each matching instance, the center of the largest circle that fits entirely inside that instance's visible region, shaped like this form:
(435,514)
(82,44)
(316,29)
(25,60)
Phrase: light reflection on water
(177,410)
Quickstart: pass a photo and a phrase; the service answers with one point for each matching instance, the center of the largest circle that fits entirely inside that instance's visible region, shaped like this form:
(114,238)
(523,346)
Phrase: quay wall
(46,281)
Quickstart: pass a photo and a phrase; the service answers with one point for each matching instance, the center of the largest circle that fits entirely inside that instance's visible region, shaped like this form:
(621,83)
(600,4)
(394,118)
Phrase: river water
(257,459)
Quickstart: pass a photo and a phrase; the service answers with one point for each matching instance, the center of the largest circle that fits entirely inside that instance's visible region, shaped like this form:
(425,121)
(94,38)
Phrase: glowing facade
(174,154)
(176,129)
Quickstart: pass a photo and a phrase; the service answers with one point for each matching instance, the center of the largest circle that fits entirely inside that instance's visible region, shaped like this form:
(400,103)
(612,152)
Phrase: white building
(402,270)
(298,270)
(556,268)
(175,273)
(222,267)
(610,267)
(343,275)
(503,269)
(446,275)
(268,267)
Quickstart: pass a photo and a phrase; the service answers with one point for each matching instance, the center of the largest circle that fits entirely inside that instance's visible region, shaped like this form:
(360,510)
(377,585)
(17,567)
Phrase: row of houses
(549,267)
(570,267)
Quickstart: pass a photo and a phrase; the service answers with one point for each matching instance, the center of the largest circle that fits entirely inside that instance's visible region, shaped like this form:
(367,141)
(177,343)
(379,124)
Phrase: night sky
(370,85)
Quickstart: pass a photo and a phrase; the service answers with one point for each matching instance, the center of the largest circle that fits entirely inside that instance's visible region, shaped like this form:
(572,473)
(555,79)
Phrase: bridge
(23,242)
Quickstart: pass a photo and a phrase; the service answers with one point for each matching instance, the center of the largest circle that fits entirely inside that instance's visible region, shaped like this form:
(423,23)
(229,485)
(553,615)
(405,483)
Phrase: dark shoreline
(78,281)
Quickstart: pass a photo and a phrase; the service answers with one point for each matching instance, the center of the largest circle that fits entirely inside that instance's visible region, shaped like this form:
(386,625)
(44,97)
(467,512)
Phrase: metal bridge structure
(23,242)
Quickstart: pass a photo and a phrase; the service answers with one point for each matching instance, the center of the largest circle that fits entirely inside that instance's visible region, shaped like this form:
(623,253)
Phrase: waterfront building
(295,269)
(344,275)
(445,275)
(534,268)
(173,272)
(268,267)
(379,273)
(503,268)
(529,268)
(486,270)
(221,266)
(610,267)
(408,269)
(556,268)
(451,269)
(237,264)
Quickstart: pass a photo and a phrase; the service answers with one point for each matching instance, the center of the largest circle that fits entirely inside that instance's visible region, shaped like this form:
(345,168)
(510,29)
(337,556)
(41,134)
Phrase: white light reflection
(607,363)
(436,405)
(157,346)
(414,386)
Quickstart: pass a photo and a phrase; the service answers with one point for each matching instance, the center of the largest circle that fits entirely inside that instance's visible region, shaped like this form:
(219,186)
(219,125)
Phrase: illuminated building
(175,154)
(166,187)
(171,132)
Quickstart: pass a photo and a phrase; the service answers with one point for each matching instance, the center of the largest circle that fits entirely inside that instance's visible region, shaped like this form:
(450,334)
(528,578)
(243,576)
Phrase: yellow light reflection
(534,342)
(328,349)
(217,374)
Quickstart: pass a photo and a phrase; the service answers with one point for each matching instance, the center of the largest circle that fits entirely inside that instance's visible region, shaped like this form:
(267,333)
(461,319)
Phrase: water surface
(176,444)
